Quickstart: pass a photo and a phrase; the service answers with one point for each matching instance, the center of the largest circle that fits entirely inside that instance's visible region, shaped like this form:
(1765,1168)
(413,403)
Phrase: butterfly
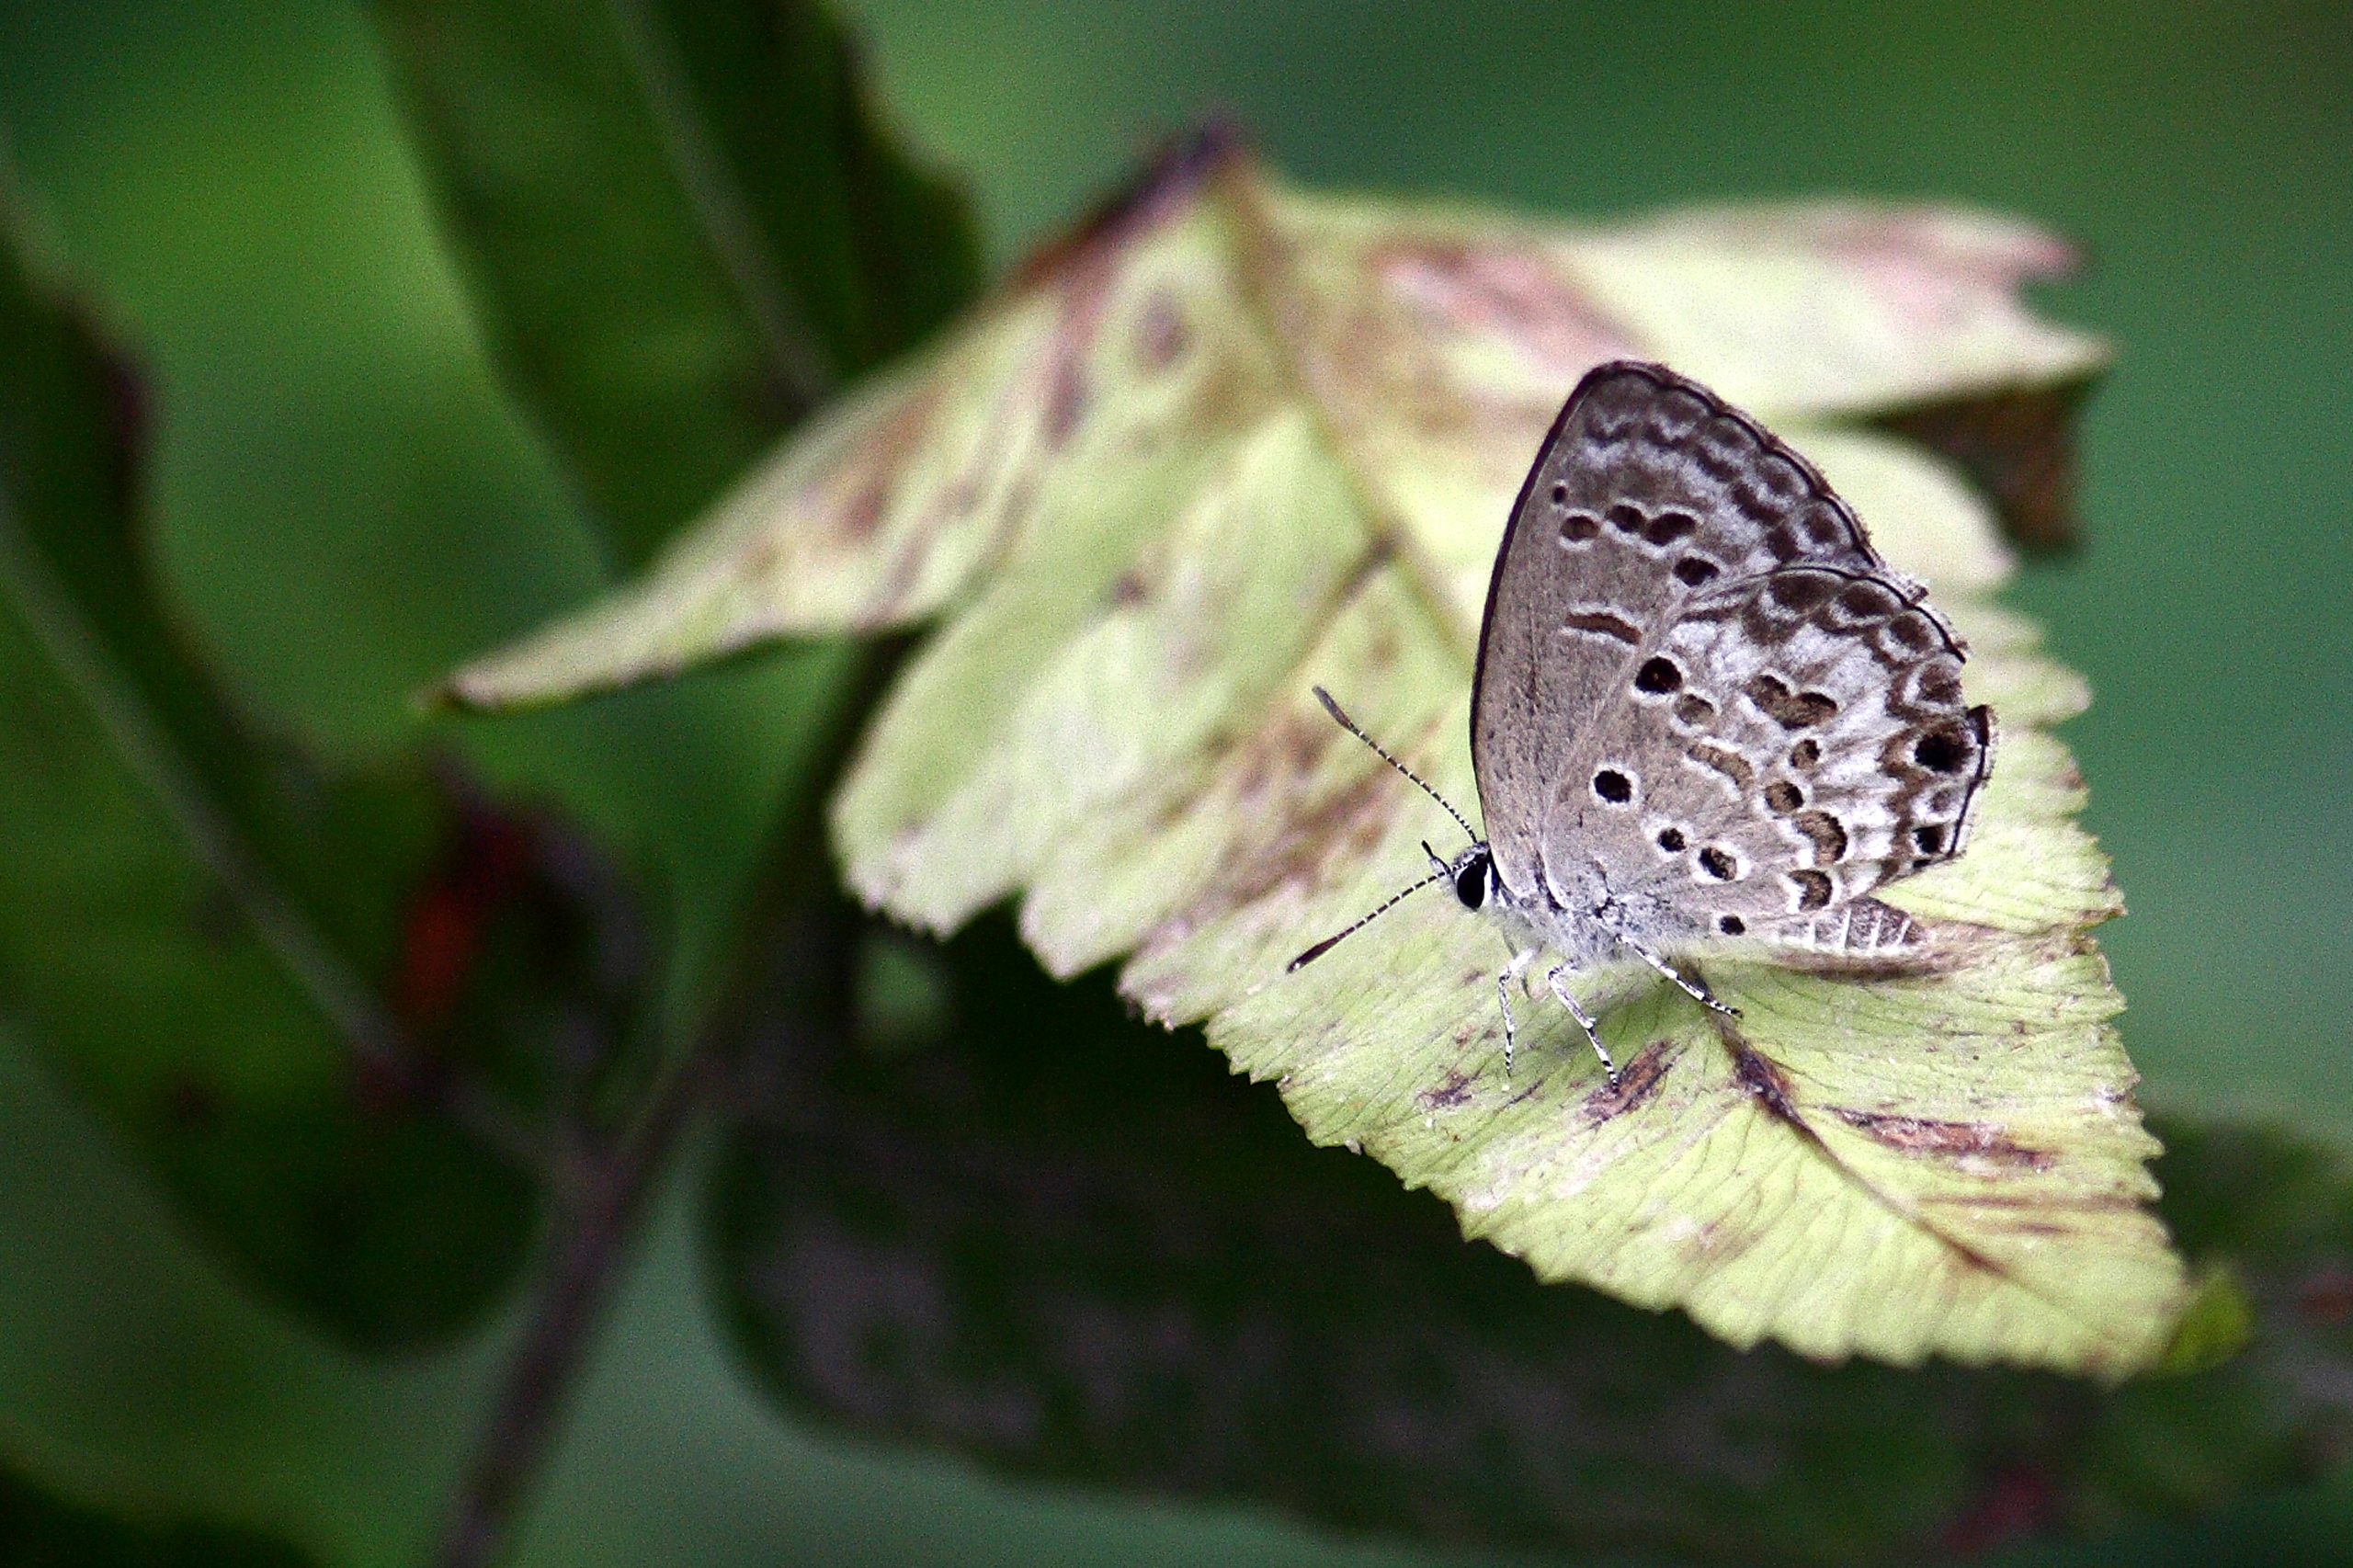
(1705,711)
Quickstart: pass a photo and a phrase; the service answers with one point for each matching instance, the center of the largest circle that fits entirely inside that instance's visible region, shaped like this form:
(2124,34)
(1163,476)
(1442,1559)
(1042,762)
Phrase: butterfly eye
(1470,881)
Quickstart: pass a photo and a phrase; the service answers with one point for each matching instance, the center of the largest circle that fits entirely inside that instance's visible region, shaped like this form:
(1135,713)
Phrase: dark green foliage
(683,228)
(1072,1246)
(40,1529)
(1014,1224)
(197,922)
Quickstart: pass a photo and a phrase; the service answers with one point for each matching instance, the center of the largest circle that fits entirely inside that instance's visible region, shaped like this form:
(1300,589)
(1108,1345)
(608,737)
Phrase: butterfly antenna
(1383,752)
(1328,943)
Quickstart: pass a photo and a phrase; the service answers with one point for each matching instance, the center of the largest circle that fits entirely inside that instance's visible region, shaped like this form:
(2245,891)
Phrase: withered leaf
(1235,439)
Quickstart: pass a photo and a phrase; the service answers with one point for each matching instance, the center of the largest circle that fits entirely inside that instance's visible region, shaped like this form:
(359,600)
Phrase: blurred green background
(346,505)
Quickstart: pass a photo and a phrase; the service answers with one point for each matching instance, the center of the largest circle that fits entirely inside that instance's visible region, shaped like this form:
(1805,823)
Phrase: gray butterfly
(1705,711)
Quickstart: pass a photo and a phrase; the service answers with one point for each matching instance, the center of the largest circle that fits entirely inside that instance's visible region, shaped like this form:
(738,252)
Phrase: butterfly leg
(1691,988)
(1585,1020)
(1504,982)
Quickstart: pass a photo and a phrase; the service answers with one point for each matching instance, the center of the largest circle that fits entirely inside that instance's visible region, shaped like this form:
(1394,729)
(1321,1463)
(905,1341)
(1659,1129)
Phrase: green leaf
(1234,440)
(41,1530)
(263,976)
(682,225)
(1050,1239)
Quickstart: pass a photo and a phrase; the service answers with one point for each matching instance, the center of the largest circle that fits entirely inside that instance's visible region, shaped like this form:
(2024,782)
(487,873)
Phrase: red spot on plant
(2326,1298)
(2019,1503)
(449,917)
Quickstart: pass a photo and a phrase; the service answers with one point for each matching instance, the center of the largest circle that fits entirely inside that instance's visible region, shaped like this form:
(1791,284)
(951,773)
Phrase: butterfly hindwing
(1698,678)
(1791,744)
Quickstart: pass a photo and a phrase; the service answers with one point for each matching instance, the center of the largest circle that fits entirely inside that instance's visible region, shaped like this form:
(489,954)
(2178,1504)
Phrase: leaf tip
(2217,1322)
(1182,165)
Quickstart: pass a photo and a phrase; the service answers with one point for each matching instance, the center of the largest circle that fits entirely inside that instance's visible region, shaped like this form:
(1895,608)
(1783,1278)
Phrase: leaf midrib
(723,212)
(1252,253)
(88,668)
(1794,1121)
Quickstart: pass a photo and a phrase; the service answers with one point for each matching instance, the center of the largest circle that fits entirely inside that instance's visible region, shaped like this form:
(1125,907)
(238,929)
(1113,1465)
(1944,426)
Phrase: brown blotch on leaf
(872,476)
(1637,1082)
(1302,839)
(1066,399)
(1948,1139)
(861,515)
(1513,293)
(1452,1091)
(1764,1082)
(1770,1087)
(1162,334)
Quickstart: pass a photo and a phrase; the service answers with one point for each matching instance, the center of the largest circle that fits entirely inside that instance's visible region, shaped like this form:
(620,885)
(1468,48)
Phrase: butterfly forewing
(1697,677)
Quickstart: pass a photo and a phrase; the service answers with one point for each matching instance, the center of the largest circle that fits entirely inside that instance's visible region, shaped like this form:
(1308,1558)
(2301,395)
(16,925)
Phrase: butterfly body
(1581,923)
(1705,710)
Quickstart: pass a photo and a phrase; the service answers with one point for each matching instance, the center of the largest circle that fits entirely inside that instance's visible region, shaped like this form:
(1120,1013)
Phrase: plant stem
(787,973)
(593,1232)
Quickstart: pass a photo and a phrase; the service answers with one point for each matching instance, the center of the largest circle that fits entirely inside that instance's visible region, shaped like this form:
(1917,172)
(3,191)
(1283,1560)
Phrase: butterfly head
(1472,872)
